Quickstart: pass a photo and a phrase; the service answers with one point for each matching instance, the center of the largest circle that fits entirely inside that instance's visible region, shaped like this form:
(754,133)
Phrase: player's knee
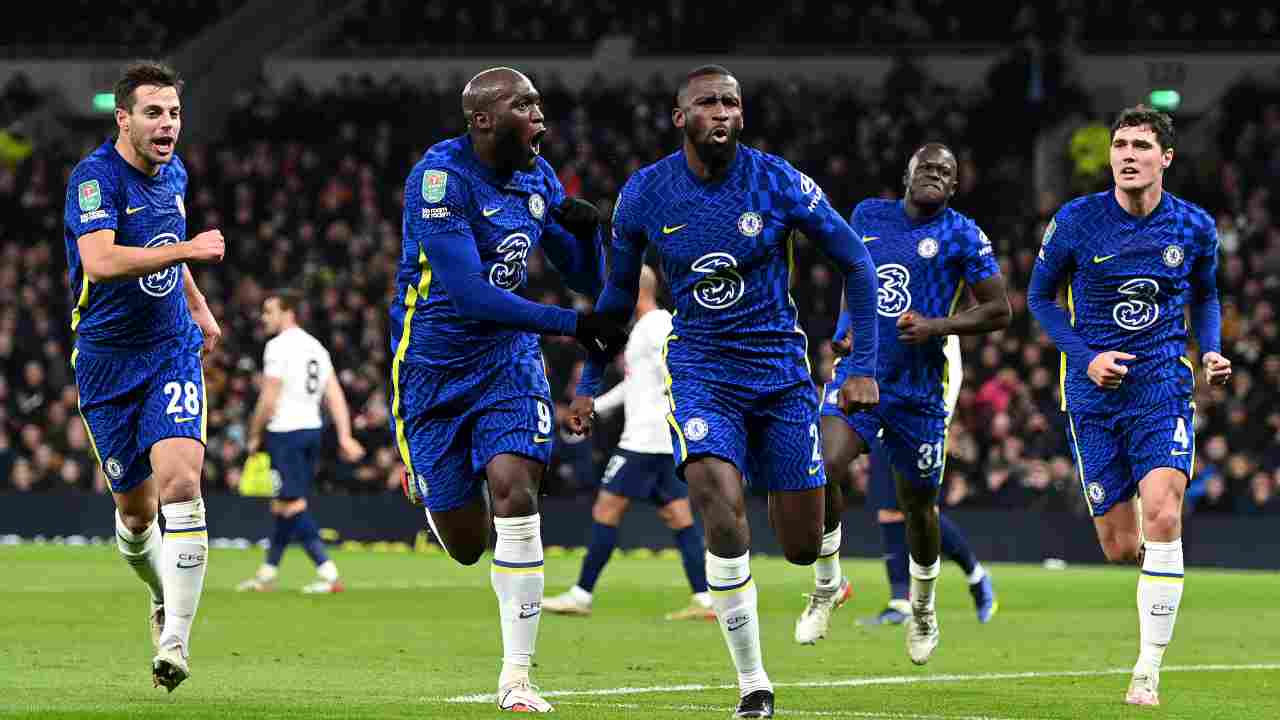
(1164,522)
(516,499)
(806,554)
(1120,550)
(466,554)
(138,521)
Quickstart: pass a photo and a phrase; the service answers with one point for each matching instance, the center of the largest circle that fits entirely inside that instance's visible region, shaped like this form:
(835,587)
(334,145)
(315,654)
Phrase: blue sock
(692,554)
(894,538)
(604,538)
(955,546)
(280,538)
(309,533)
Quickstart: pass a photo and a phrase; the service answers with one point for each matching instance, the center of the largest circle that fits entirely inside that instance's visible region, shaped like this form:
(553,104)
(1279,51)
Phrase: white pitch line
(862,715)
(864,681)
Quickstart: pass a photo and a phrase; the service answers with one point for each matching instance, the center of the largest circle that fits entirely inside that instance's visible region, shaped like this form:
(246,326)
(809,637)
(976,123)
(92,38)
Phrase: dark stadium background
(302,120)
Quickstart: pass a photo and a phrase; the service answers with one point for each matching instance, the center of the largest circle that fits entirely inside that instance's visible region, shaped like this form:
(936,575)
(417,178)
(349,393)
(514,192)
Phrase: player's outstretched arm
(991,313)
(1206,312)
(200,311)
(1053,264)
(456,261)
(575,245)
(843,246)
(105,261)
(336,402)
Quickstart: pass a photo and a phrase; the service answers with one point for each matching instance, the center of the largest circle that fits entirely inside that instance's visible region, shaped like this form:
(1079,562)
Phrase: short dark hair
(144,72)
(700,71)
(290,300)
(1139,115)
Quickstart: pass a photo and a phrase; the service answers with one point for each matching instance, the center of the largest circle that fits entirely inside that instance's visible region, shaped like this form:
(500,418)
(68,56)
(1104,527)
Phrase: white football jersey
(643,393)
(303,367)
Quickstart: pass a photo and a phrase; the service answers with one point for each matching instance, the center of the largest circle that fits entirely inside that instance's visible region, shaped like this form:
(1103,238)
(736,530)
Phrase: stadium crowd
(308,192)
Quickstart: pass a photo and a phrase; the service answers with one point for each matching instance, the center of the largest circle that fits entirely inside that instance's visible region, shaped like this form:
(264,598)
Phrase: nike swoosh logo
(130,211)
(1179,453)
(183,419)
(490,212)
(814,470)
(539,439)
(524,616)
(1160,614)
(1101,258)
(735,627)
(668,229)
(869,238)
(188,567)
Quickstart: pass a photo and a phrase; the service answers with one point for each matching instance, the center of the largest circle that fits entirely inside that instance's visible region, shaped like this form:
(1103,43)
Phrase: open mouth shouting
(535,143)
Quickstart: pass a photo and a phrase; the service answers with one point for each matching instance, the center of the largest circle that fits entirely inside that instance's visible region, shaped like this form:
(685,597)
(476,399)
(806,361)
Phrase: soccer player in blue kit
(1133,258)
(140,324)
(743,405)
(926,254)
(471,405)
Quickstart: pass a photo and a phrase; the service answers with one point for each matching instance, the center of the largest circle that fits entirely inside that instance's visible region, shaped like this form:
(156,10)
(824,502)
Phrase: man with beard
(925,254)
(1134,258)
(742,402)
(141,325)
(470,401)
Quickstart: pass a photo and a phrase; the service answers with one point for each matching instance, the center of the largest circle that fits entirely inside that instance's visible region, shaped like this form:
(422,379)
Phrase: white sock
(1159,595)
(581,596)
(923,578)
(267,572)
(185,551)
(826,571)
(733,595)
(327,571)
(142,552)
(978,573)
(517,579)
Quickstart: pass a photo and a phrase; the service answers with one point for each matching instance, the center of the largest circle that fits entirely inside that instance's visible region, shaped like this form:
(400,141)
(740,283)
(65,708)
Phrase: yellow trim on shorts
(684,449)
(411,297)
(1071,423)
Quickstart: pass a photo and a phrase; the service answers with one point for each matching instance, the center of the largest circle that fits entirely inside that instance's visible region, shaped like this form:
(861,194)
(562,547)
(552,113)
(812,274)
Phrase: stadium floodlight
(104,102)
(1165,100)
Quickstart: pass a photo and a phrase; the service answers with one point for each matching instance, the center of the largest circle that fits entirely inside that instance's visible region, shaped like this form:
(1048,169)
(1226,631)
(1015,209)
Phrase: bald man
(642,468)
(470,402)
(926,254)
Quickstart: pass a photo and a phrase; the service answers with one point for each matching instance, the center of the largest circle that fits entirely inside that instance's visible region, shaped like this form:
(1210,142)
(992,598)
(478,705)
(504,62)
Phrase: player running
(471,405)
(742,402)
(140,324)
(1134,258)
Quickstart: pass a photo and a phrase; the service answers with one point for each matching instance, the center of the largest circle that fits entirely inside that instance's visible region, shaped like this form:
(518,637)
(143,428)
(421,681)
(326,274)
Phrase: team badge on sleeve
(90,196)
(433,185)
(537,206)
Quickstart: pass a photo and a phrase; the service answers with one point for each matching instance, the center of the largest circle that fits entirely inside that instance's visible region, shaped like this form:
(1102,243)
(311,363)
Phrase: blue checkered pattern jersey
(922,266)
(467,236)
(1128,280)
(726,249)
(107,193)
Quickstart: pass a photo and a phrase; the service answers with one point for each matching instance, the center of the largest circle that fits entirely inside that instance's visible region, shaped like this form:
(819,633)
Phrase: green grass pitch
(415,635)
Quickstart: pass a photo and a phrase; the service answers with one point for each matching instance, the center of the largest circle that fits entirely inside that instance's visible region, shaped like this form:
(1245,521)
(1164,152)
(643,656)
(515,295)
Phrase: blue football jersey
(107,193)
(726,249)
(450,192)
(1129,280)
(923,267)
